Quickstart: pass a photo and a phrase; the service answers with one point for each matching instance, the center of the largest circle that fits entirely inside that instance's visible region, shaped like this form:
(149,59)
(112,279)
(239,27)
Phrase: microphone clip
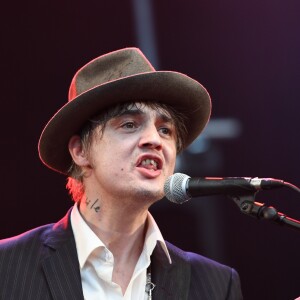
(249,206)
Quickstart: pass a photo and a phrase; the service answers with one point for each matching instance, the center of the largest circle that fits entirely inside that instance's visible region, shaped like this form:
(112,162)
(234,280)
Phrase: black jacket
(42,264)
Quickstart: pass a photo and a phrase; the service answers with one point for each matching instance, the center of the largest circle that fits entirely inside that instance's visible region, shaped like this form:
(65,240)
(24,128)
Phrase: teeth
(148,162)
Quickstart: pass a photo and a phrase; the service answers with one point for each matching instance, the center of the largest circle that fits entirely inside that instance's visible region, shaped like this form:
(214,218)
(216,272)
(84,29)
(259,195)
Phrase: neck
(122,230)
(114,222)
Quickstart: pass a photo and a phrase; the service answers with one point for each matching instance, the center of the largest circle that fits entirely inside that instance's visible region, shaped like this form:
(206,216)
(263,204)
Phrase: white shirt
(97,262)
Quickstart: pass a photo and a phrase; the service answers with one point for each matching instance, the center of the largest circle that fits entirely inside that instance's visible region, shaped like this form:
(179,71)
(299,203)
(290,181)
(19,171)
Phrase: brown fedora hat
(120,76)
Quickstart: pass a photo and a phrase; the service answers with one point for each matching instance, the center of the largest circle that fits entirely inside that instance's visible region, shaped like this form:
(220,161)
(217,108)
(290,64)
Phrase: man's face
(134,155)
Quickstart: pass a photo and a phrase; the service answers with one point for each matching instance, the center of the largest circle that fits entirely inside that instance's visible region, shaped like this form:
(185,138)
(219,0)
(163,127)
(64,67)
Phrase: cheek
(114,160)
(170,155)
(172,168)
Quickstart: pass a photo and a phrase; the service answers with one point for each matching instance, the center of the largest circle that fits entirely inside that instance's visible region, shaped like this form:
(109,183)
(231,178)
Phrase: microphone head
(175,188)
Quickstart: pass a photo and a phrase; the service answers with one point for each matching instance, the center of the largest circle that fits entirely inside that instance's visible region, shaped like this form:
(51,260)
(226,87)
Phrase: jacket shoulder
(28,237)
(194,258)
(39,235)
(209,279)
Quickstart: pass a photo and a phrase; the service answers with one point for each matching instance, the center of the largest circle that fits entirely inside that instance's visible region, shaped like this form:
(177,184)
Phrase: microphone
(180,187)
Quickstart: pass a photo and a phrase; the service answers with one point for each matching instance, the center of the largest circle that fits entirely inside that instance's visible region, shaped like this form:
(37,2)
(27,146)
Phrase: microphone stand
(249,206)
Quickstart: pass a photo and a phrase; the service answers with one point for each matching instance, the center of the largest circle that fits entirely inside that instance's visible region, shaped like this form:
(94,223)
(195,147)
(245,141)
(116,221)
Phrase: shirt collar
(153,235)
(87,241)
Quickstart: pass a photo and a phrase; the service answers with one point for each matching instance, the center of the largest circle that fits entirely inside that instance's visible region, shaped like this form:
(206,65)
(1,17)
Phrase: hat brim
(179,91)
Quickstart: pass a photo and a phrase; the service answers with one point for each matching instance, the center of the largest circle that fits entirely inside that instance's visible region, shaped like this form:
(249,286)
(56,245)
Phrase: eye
(165,131)
(129,125)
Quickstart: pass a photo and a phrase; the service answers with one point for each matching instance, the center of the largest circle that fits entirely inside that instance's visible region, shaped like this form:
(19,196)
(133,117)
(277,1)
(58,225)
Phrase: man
(117,140)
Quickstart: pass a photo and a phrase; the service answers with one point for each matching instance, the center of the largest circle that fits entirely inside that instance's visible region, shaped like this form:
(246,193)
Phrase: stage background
(246,53)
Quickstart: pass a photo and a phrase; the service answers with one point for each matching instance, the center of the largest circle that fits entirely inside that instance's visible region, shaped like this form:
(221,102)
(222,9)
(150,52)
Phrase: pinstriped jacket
(43,264)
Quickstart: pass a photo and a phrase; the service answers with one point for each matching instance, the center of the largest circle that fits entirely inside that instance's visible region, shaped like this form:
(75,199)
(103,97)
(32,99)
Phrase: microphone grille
(175,188)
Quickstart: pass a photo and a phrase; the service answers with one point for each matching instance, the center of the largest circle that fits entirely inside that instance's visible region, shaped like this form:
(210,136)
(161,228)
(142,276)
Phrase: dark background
(246,53)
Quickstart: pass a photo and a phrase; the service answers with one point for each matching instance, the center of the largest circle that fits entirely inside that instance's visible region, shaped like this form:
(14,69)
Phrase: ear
(77,152)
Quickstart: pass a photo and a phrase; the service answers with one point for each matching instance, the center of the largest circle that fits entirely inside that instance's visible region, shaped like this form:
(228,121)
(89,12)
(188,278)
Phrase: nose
(150,138)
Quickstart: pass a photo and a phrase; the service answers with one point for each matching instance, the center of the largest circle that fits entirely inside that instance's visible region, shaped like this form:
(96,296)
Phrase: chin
(149,195)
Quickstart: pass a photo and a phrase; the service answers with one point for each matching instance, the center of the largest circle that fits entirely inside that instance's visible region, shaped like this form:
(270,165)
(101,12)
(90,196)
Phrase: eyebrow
(131,112)
(137,112)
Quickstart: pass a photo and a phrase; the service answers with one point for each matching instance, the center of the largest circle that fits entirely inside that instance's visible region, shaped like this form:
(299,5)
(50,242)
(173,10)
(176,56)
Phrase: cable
(292,186)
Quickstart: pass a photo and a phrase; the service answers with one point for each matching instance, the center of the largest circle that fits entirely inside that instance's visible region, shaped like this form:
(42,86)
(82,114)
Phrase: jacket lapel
(61,267)
(60,264)
(172,280)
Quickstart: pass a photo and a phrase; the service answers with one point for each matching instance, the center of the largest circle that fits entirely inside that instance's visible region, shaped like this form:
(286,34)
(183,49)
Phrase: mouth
(150,163)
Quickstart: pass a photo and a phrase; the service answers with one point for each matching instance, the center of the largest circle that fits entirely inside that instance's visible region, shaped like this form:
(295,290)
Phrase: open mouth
(150,164)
